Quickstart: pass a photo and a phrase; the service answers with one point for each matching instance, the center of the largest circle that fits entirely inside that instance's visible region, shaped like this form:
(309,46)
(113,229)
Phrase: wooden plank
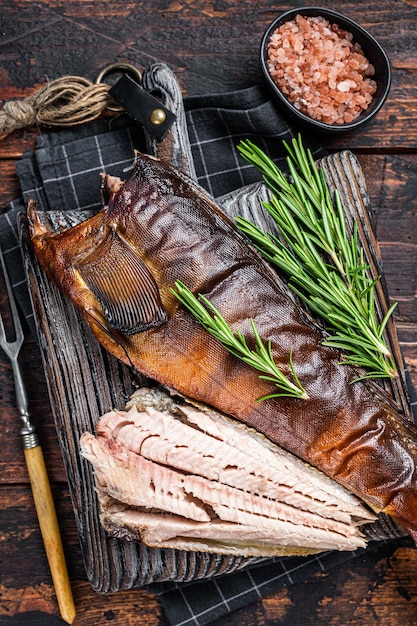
(9,183)
(21,540)
(211,62)
(126,608)
(392,186)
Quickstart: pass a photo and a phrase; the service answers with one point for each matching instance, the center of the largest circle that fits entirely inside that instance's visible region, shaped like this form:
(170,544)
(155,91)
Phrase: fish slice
(41,489)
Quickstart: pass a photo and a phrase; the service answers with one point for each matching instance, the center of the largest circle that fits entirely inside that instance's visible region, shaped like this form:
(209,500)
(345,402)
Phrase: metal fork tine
(11,348)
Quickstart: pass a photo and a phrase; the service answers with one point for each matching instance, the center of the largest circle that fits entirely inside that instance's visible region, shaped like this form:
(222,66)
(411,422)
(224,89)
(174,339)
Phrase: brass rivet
(157,117)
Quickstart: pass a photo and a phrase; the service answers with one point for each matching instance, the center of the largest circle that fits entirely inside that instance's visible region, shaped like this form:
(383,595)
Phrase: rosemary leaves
(325,265)
(260,358)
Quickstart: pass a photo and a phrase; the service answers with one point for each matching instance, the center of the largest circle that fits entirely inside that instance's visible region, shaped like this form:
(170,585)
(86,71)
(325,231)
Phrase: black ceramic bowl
(371,49)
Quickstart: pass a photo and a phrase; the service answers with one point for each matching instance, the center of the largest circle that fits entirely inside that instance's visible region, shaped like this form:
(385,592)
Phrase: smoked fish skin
(119,267)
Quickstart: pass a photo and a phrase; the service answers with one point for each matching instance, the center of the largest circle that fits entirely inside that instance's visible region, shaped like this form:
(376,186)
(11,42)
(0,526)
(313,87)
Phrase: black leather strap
(144,108)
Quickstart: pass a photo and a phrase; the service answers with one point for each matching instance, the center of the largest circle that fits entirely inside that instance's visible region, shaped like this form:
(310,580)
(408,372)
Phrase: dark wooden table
(211,46)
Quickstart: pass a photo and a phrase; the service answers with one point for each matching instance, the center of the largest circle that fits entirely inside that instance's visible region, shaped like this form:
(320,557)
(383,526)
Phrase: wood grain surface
(211,46)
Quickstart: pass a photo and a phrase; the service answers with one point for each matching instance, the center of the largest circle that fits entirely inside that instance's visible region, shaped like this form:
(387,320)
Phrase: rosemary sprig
(325,264)
(260,358)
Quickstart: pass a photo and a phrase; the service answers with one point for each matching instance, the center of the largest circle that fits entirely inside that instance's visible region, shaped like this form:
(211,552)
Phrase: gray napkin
(63,173)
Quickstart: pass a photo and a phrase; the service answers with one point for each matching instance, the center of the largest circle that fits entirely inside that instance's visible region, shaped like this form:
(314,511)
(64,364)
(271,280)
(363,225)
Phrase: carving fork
(41,489)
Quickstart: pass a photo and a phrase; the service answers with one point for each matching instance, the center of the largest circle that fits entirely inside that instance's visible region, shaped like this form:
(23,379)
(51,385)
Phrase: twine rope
(62,102)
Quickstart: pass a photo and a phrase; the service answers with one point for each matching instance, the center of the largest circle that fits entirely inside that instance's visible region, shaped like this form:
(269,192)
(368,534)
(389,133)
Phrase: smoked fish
(119,268)
(172,474)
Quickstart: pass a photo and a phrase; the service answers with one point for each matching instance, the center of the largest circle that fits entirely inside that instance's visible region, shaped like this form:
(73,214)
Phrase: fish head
(94,265)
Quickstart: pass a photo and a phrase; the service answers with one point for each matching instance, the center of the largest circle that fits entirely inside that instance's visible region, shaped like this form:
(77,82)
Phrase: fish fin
(96,317)
(124,286)
(109,185)
(37,227)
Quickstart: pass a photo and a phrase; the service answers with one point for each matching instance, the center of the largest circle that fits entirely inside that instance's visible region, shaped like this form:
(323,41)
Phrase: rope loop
(61,102)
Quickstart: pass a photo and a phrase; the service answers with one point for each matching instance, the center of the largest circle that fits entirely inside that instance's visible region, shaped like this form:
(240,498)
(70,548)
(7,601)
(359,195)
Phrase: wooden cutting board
(85,382)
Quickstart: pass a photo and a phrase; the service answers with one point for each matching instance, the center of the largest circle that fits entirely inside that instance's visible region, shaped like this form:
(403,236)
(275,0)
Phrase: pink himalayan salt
(321,70)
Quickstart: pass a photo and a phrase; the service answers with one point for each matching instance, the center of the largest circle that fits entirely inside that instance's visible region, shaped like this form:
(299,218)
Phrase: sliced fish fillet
(173,474)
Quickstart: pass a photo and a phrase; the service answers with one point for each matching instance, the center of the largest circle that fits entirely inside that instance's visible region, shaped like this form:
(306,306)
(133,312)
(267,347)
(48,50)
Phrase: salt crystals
(320,69)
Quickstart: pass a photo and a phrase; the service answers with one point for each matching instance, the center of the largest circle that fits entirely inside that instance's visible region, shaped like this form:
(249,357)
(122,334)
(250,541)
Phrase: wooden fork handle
(48,523)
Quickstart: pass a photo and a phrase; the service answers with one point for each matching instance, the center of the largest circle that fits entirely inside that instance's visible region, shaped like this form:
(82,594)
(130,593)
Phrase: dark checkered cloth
(63,173)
